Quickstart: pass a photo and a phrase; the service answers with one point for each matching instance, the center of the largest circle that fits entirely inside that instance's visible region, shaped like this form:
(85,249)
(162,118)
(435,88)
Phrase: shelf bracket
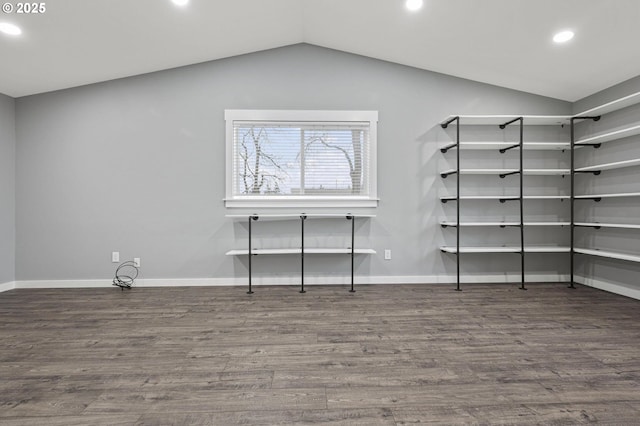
(449,121)
(593,145)
(594,226)
(503,150)
(503,175)
(448,147)
(503,126)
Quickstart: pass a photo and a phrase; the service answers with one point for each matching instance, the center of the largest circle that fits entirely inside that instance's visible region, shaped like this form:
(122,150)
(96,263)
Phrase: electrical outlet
(387,254)
(115,256)
(136,262)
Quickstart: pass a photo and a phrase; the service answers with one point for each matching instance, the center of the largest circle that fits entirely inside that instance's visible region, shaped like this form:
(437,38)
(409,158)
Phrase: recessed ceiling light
(413,5)
(180,2)
(10,29)
(563,36)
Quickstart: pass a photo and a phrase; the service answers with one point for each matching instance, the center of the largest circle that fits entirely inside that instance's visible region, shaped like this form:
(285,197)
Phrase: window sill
(297,203)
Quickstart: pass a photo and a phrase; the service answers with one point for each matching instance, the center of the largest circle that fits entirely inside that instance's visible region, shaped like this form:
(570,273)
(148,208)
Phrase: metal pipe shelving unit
(502,173)
(596,142)
(502,147)
(302,250)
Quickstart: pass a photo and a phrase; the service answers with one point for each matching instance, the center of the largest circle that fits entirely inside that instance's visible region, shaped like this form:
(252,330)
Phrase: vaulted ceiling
(502,42)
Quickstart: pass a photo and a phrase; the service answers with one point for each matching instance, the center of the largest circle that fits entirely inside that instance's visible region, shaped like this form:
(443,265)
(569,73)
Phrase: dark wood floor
(386,355)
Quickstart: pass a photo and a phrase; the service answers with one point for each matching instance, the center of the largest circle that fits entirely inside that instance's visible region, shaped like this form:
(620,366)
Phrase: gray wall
(137,165)
(7,189)
(612,93)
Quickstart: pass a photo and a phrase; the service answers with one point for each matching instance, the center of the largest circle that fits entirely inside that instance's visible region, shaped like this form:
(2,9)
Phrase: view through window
(286,159)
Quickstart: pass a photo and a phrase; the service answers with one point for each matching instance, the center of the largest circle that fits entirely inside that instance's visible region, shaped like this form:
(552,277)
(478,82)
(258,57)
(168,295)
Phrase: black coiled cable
(126,274)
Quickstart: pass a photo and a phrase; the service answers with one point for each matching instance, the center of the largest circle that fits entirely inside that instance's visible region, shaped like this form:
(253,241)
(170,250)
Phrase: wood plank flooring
(386,355)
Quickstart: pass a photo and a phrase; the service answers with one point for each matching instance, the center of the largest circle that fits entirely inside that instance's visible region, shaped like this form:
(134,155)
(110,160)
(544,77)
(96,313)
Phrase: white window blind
(284,158)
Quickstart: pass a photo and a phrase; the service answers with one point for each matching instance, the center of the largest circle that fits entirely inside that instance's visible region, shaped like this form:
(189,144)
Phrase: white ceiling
(502,42)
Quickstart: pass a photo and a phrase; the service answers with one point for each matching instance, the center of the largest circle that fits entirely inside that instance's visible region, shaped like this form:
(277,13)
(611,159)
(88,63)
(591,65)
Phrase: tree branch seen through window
(294,161)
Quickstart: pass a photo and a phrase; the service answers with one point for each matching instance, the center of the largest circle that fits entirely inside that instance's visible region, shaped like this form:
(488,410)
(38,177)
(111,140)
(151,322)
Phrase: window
(301,158)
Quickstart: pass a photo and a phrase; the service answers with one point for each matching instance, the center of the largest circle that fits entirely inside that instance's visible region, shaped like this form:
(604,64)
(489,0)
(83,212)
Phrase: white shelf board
(614,105)
(297,215)
(610,166)
(608,225)
(537,120)
(618,195)
(609,254)
(500,145)
(505,197)
(480,197)
(546,171)
(542,172)
(526,223)
(611,136)
(310,250)
(506,249)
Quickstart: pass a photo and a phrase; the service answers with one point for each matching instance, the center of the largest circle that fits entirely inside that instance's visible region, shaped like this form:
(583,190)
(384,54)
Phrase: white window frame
(303,201)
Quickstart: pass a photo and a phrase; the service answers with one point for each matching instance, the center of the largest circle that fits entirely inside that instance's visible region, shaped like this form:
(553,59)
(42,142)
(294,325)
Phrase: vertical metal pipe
(522,287)
(458,177)
(353,245)
(250,256)
(302,218)
(302,162)
(572,202)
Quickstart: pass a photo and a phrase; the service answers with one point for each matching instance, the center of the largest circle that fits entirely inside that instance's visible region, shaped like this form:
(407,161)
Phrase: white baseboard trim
(610,287)
(162,282)
(7,286)
(259,281)
(451,279)
(291,280)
